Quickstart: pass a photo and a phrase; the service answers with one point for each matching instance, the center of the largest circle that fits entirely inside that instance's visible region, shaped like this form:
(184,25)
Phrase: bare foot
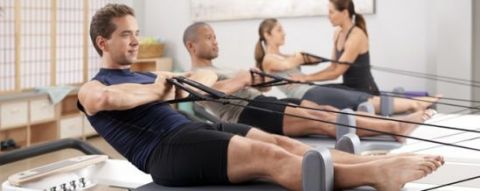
(417,117)
(424,103)
(394,173)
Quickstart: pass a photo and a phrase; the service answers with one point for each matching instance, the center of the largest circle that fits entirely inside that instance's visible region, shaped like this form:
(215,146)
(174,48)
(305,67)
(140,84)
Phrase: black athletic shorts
(194,154)
(264,120)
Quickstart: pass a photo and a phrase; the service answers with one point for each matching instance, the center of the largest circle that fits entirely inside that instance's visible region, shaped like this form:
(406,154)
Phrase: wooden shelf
(153,64)
(43,132)
(17,134)
(69,105)
(45,122)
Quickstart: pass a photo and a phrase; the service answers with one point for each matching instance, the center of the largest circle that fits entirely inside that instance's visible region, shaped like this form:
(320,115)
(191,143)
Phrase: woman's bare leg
(402,105)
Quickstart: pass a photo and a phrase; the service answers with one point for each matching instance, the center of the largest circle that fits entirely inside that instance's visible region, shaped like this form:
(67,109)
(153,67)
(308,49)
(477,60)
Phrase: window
(46,42)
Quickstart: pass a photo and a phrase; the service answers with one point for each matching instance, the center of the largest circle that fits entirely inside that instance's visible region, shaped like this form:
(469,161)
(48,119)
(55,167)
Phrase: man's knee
(266,151)
(249,147)
(260,135)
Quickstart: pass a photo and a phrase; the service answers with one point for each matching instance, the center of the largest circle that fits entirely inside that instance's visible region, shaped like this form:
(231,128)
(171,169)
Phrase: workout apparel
(135,132)
(228,112)
(257,113)
(194,154)
(358,76)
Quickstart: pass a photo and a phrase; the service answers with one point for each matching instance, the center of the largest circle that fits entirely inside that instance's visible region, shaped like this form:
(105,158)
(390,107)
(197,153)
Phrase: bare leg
(419,117)
(391,126)
(294,126)
(249,159)
(405,105)
(291,145)
(298,148)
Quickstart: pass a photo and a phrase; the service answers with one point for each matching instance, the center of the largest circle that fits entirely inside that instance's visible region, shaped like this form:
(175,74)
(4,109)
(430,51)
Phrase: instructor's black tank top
(358,76)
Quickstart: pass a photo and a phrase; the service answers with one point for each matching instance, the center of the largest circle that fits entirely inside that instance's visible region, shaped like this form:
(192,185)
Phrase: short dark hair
(190,34)
(102,25)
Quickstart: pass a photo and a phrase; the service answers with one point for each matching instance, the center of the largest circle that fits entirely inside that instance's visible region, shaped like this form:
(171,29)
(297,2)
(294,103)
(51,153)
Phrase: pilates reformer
(316,184)
(88,172)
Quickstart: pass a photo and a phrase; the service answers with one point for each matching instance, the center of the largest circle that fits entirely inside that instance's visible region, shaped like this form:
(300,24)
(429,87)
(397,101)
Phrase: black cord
(451,80)
(424,74)
(443,98)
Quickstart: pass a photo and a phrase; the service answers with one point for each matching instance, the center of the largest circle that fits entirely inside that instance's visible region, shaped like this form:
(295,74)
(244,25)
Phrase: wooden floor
(98,142)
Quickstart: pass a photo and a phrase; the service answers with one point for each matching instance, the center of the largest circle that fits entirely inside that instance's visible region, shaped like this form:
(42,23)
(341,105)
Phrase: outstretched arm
(229,86)
(352,50)
(275,64)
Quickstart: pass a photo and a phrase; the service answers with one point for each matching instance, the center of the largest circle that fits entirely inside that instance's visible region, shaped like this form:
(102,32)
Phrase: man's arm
(96,97)
(205,77)
(232,85)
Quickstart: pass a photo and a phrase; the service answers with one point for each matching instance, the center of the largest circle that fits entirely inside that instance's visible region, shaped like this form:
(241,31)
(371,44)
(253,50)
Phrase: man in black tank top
(126,108)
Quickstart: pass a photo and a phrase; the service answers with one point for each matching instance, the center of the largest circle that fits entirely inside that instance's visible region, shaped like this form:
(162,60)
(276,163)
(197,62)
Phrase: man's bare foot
(417,117)
(393,173)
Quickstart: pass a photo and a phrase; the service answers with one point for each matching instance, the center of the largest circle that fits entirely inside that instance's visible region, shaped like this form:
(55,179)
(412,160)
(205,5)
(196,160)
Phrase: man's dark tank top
(135,132)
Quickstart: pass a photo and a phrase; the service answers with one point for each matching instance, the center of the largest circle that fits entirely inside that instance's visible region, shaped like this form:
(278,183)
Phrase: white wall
(476,48)
(450,35)
(418,35)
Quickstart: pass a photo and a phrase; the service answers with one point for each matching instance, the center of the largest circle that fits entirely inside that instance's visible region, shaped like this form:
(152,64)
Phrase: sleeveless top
(136,132)
(228,113)
(292,90)
(358,76)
